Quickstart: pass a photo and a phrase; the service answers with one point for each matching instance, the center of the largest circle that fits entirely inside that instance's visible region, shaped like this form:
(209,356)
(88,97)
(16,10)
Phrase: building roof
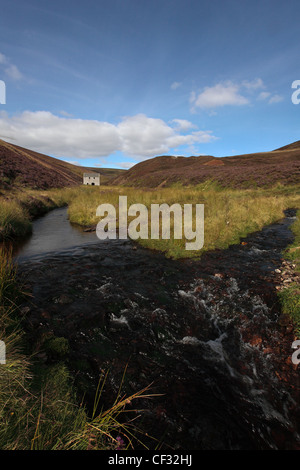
(91,174)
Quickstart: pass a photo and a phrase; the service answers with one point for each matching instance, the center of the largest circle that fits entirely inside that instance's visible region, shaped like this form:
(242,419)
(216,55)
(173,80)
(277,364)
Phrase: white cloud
(65,113)
(218,95)
(13,72)
(73,138)
(183,124)
(266,96)
(125,165)
(263,95)
(2,58)
(175,85)
(10,69)
(253,84)
(199,137)
(73,162)
(143,136)
(232,94)
(275,99)
(137,136)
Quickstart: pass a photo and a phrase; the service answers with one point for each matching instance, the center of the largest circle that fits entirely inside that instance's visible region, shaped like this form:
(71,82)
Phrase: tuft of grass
(292,253)
(7,276)
(14,220)
(290,296)
(112,429)
(17,210)
(290,304)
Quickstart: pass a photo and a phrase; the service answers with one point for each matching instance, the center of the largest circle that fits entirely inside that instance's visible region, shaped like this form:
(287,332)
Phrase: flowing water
(52,233)
(205,334)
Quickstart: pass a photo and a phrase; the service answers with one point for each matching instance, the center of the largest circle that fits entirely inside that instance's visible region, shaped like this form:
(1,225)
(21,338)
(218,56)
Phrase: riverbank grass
(14,220)
(18,209)
(290,296)
(229,215)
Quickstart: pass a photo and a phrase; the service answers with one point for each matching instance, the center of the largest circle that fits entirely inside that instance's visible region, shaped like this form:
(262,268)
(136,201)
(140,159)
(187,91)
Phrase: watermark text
(296,354)
(184,223)
(2,92)
(296,93)
(2,353)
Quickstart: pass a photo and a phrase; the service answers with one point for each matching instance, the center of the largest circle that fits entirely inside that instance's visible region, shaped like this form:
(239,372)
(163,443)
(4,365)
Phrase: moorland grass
(229,215)
(14,220)
(18,209)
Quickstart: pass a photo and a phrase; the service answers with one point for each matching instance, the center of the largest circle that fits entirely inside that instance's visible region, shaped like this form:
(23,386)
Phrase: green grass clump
(57,347)
(292,253)
(290,296)
(14,220)
(290,305)
(18,209)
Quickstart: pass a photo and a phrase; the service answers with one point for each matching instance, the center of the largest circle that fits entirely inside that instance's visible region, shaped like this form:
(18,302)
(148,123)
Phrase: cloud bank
(138,136)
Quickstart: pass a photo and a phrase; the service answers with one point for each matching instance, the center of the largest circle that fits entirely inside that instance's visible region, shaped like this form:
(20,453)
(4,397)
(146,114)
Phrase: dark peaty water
(206,334)
(50,234)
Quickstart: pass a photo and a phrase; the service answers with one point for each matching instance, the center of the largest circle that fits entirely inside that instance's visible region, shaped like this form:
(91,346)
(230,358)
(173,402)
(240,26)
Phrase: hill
(24,167)
(256,169)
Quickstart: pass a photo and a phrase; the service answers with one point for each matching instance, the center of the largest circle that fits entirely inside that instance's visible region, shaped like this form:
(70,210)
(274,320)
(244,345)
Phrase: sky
(112,83)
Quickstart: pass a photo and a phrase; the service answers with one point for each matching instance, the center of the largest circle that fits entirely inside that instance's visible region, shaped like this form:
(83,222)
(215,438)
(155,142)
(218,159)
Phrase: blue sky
(111,83)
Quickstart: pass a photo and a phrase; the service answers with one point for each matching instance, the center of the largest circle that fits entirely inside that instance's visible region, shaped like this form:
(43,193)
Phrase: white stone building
(91,178)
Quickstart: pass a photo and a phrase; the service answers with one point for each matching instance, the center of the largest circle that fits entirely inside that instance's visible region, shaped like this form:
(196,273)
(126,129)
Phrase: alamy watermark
(2,92)
(296,93)
(2,353)
(160,222)
(296,354)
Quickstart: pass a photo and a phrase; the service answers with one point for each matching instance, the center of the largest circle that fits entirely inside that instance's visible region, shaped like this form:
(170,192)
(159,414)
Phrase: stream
(52,233)
(207,336)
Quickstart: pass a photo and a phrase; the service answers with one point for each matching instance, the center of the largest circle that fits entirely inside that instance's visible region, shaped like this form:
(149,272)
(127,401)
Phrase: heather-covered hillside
(257,169)
(23,167)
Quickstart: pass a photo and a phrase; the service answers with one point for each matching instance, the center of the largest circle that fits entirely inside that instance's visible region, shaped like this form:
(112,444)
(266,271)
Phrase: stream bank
(207,335)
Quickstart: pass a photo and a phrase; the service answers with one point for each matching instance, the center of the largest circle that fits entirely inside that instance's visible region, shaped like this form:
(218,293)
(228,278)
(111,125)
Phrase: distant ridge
(24,167)
(249,170)
(294,146)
